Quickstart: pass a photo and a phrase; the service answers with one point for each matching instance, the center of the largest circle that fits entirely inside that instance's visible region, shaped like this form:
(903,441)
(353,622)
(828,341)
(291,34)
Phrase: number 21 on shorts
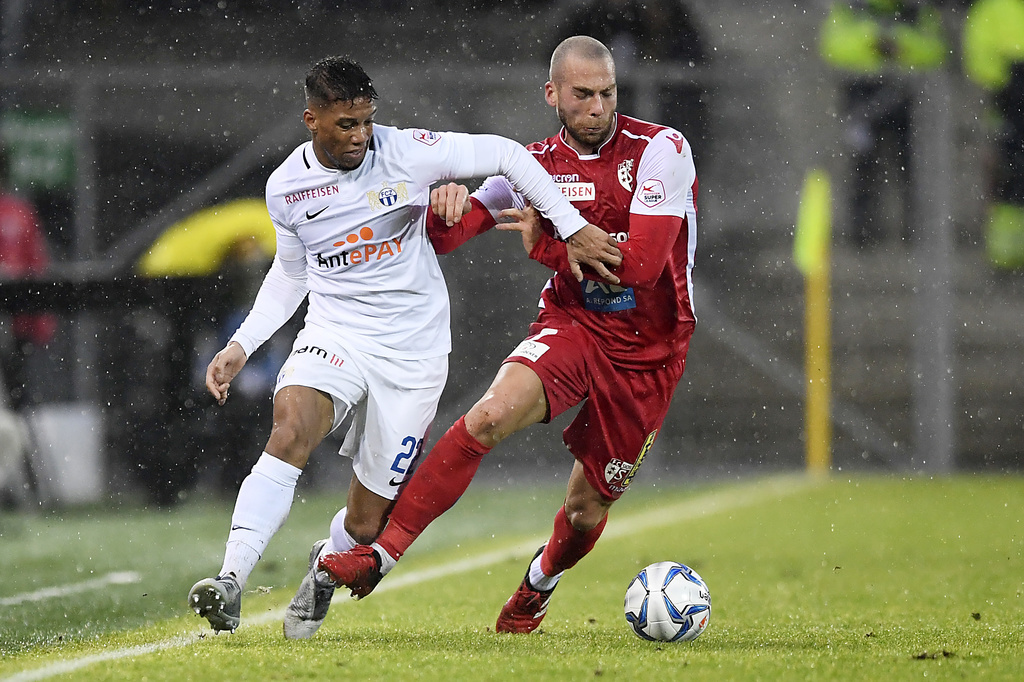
(404,458)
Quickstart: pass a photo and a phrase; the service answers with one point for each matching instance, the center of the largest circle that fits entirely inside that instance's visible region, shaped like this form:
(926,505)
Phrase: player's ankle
(539,580)
(387,561)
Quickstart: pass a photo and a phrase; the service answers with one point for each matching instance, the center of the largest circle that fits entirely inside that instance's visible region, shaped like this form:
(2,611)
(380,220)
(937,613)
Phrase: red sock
(436,485)
(568,545)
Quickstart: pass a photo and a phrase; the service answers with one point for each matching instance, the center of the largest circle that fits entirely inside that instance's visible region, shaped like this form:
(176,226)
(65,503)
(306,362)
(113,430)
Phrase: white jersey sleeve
(495,155)
(664,176)
(496,194)
(279,296)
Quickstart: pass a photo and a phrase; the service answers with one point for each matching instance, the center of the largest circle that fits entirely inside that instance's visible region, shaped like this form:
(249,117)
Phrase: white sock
(339,541)
(264,500)
(387,562)
(541,582)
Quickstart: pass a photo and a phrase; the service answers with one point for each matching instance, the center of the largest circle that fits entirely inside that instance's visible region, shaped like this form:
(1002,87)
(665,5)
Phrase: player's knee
(290,442)
(489,421)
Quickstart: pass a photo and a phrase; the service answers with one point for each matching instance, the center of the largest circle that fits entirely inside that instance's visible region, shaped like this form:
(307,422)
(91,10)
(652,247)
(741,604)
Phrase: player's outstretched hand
(525,221)
(594,247)
(222,370)
(450,202)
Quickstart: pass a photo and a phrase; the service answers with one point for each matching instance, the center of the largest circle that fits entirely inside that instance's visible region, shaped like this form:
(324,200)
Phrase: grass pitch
(852,578)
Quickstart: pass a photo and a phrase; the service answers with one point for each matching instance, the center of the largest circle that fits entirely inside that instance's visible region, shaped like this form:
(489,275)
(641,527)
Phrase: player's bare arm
(593,247)
(450,202)
(224,367)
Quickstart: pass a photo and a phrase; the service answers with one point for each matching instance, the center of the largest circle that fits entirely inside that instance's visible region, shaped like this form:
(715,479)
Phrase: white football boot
(306,613)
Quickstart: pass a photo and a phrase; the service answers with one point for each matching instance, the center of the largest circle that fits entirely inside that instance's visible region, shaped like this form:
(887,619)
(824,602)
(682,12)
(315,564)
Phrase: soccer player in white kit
(349,209)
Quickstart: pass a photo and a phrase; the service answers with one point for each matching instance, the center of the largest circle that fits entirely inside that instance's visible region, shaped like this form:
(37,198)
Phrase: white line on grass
(116,578)
(73,664)
(704,505)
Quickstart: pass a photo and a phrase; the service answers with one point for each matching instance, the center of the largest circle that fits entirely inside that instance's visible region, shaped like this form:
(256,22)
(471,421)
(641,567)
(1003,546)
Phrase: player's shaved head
(577,47)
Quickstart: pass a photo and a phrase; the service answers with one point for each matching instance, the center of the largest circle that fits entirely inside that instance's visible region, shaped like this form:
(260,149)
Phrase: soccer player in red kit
(617,345)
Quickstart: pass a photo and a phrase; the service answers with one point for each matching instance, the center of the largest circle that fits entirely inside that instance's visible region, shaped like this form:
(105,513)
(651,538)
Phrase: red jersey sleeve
(446,239)
(643,256)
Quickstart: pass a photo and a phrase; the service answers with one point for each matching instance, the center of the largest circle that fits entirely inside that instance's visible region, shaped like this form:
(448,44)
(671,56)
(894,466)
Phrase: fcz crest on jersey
(626,174)
(387,196)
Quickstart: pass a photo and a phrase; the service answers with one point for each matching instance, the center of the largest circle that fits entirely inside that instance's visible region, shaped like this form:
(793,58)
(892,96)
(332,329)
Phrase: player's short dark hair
(337,79)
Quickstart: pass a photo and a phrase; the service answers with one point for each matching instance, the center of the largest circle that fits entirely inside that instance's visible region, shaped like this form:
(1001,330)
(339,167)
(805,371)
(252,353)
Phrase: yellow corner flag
(813,223)
(812,255)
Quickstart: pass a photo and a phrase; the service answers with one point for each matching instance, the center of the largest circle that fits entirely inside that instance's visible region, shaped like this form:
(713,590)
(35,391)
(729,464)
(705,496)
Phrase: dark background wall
(167,94)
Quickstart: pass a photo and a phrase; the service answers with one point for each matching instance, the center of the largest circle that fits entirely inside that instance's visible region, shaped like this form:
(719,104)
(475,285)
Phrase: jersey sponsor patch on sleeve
(427,137)
(651,193)
(529,349)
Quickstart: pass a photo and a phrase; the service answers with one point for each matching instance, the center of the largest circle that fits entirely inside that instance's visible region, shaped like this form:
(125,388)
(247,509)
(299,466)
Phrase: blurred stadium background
(121,119)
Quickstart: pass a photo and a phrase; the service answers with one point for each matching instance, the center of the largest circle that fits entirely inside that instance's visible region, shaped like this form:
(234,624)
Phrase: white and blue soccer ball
(668,602)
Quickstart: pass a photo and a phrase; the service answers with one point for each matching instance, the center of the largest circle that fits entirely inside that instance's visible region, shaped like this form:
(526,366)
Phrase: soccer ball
(668,602)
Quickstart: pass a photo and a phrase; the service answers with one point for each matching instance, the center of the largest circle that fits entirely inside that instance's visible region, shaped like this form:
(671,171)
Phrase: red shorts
(622,408)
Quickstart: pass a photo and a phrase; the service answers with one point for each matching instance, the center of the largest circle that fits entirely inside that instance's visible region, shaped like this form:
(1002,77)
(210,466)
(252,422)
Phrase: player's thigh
(514,400)
(317,387)
(302,417)
(388,434)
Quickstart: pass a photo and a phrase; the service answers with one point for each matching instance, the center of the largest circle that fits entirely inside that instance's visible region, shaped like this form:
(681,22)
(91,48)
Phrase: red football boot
(357,569)
(525,609)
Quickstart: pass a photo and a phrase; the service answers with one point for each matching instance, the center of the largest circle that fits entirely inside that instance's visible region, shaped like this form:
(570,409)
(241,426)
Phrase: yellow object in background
(881,34)
(1004,238)
(993,41)
(813,223)
(812,254)
(199,244)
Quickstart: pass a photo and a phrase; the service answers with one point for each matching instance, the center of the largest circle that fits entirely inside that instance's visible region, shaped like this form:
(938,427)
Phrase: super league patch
(427,137)
(651,193)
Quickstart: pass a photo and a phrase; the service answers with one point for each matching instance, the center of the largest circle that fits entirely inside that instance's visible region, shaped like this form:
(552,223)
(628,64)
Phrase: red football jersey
(640,187)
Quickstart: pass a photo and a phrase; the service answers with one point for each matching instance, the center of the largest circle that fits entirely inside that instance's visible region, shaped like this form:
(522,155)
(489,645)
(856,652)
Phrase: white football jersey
(370,270)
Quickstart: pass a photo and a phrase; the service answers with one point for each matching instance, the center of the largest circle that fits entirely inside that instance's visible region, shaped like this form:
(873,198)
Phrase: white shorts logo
(284,374)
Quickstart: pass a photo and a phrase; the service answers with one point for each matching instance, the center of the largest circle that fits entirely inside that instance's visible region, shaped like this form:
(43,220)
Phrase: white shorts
(392,403)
